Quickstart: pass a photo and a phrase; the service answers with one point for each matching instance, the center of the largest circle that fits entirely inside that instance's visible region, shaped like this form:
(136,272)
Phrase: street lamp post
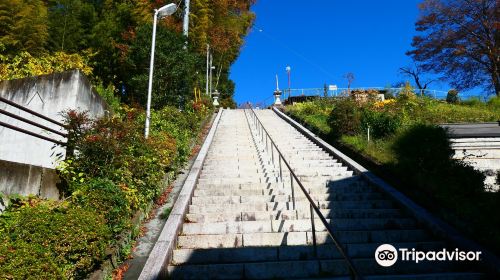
(162,12)
(288,71)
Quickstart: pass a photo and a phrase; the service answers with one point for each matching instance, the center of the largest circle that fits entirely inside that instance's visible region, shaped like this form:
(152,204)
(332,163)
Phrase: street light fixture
(162,12)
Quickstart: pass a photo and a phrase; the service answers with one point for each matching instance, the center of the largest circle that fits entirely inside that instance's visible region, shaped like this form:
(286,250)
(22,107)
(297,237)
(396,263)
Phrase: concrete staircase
(242,222)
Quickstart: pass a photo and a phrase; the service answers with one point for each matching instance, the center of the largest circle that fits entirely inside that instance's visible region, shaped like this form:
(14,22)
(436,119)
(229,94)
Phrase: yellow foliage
(381,104)
(25,65)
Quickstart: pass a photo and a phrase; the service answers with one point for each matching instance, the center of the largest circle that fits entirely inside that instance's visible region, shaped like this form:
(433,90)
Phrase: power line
(303,57)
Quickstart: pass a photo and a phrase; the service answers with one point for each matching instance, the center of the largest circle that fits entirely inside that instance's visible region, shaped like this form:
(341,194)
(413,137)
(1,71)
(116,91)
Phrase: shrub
(105,197)
(494,102)
(473,101)
(424,148)
(381,123)
(407,92)
(345,118)
(50,241)
(424,156)
(452,96)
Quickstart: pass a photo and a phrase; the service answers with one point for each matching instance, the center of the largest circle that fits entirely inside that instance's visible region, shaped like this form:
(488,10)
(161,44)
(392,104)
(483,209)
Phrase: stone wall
(48,95)
(483,154)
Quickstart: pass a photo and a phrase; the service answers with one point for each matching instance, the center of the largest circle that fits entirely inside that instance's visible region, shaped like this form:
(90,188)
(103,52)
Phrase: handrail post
(266,144)
(261,132)
(313,228)
(293,192)
(272,154)
(281,172)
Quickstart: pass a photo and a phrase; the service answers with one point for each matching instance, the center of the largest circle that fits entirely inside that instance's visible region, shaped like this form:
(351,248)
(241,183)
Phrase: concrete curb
(162,251)
(436,225)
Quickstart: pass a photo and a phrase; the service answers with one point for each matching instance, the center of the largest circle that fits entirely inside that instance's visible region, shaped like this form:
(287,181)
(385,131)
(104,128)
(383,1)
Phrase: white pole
(186,18)
(150,84)
(210,86)
(208,67)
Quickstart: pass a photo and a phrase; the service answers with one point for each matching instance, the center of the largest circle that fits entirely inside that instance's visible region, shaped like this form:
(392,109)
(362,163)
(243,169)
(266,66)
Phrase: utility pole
(208,67)
(185,27)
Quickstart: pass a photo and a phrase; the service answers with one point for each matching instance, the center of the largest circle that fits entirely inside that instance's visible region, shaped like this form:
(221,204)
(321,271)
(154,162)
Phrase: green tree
(23,26)
(70,23)
(174,69)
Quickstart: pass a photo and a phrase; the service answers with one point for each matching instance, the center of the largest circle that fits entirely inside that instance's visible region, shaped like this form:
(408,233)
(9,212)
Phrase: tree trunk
(496,83)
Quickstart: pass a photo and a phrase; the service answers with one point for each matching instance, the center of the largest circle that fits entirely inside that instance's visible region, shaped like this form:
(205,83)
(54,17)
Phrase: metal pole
(272,154)
(281,172)
(185,26)
(210,86)
(289,88)
(208,67)
(293,192)
(313,228)
(150,84)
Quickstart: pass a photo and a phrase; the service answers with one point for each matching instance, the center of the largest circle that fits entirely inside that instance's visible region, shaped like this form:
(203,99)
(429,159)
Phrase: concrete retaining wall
(25,179)
(48,95)
(483,154)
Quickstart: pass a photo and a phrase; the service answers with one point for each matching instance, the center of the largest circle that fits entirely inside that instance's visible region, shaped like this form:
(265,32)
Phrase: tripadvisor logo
(386,255)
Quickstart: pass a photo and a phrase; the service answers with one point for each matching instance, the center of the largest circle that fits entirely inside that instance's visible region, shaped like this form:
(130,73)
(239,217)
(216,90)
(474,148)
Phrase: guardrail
(270,144)
(33,123)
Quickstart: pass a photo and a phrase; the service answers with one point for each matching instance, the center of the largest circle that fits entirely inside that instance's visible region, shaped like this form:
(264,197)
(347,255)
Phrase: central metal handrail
(312,205)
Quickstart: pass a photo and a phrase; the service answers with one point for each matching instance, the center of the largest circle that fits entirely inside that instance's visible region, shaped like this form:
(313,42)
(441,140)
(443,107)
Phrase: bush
(494,102)
(345,118)
(424,148)
(115,148)
(473,101)
(424,156)
(50,241)
(381,123)
(105,197)
(452,96)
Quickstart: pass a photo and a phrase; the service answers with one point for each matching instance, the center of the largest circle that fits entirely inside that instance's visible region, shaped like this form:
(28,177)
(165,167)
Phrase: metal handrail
(13,104)
(33,123)
(312,206)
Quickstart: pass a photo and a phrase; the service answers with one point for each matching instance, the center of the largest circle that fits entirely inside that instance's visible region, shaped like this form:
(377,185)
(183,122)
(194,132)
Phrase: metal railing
(270,144)
(339,92)
(33,123)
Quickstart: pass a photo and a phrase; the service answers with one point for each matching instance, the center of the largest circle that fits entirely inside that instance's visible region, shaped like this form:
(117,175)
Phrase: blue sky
(322,40)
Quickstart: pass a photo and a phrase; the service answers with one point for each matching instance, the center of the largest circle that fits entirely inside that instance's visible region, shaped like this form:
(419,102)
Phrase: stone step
(201,241)
(331,171)
(201,200)
(258,179)
(296,225)
(285,188)
(298,238)
(277,190)
(291,215)
(298,269)
(300,205)
(260,250)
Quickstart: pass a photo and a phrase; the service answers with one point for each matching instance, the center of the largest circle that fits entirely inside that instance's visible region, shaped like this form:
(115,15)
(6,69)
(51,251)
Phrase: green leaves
(51,241)
(174,69)
(23,26)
